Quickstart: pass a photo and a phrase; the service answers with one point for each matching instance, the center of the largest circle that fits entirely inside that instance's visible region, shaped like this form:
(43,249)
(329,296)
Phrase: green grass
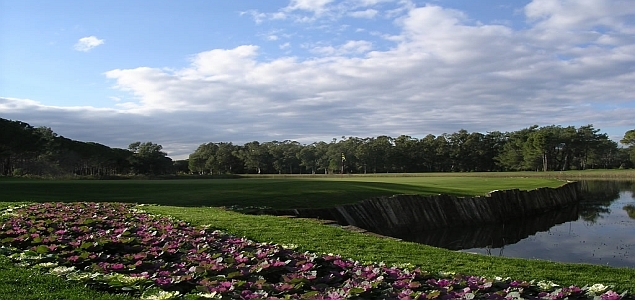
(185,199)
(627,174)
(30,284)
(272,192)
(312,236)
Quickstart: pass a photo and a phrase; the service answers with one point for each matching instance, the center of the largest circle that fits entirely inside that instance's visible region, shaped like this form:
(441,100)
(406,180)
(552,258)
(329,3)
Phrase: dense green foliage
(535,148)
(25,150)
(629,140)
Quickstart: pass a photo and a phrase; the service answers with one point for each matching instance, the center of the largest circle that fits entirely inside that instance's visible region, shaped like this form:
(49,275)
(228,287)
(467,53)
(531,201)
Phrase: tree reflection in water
(598,196)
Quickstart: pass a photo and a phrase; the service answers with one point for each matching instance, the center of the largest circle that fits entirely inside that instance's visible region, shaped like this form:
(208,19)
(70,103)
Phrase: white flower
(289,246)
(212,295)
(46,265)
(123,278)
(26,256)
(61,270)
(597,289)
(546,285)
(446,274)
(405,266)
(498,278)
(161,295)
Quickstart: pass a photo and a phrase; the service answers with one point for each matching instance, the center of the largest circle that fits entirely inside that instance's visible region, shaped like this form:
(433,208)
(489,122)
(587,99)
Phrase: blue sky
(183,73)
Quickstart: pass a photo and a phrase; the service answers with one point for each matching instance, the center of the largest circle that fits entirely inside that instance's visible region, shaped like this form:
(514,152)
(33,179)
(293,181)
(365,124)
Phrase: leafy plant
(118,248)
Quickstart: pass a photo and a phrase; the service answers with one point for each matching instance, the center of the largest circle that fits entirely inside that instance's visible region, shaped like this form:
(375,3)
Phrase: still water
(599,230)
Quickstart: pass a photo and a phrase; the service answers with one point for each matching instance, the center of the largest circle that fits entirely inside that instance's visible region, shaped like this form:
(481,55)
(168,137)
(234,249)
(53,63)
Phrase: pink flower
(611,295)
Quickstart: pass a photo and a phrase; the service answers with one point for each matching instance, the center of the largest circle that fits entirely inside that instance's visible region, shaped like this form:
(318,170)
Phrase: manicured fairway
(270,192)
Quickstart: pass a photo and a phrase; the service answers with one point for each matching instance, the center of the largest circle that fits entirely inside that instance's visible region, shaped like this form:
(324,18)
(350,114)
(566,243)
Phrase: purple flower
(112,238)
(611,295)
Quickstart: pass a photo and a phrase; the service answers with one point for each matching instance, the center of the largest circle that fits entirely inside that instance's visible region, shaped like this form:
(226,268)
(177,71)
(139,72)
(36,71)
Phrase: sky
(184,73)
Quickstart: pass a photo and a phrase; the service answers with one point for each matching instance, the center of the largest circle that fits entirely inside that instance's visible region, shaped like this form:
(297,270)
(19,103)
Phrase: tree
(461,154)
(224,158)
(148,159)
(490,147)
(20,145)
(406,156)
(283,155)
(254,156)
(512,153)
(321,154)
(551,146)
(197,161)
(586,142)
(181,166)
(308,157)
(629,140)
(442,158)
(427,153)
(333,158)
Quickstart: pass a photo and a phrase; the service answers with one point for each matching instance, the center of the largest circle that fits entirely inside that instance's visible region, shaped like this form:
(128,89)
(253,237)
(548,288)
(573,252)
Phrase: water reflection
(598,230)
(598,196)
(491,235)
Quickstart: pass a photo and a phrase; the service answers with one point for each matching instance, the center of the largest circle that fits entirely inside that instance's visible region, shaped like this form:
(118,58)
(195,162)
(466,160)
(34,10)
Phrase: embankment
(400,212)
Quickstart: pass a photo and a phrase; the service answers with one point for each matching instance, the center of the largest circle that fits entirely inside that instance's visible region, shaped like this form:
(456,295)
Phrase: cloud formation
(573,64)
(85,44)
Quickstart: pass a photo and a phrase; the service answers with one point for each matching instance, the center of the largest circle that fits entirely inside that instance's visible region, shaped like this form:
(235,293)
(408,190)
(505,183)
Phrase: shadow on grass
(272,193)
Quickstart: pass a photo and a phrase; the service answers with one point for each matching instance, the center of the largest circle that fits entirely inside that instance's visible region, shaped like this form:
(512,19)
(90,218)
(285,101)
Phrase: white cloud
(308,11)
(350,47)
(443,73)
(85,44)
(581,21)
(443,70)
(441,64)
(315,6)
(367,14)
(573,14)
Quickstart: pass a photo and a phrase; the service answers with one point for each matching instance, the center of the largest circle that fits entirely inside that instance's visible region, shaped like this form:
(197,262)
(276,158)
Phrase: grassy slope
(272,192)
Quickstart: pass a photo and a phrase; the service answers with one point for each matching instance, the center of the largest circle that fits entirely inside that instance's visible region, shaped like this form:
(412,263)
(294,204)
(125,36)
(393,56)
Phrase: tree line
(27,150)
(535,148)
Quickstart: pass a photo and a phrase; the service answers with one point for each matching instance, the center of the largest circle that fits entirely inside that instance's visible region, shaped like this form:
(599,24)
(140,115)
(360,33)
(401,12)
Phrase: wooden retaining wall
(383,214)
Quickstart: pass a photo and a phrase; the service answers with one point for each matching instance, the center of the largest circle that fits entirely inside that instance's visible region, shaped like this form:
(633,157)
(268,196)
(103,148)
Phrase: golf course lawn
(199,202)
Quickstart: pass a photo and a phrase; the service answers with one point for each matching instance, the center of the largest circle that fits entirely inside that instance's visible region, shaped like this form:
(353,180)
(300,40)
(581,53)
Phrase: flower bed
(118,248)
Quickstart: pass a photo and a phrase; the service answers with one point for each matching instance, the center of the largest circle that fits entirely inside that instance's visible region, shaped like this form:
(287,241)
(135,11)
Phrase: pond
(599,230)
